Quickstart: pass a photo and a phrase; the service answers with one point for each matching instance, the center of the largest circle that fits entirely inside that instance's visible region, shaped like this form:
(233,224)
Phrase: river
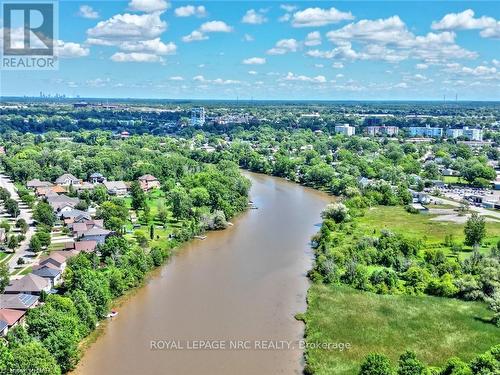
(241,286)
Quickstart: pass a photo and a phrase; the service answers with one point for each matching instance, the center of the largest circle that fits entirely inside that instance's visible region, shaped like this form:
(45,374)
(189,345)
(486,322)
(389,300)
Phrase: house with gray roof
(19,301)
(67,179)
(28,284)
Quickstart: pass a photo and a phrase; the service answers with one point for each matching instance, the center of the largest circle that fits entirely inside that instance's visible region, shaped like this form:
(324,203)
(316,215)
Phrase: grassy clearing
(419,226)
(435,328)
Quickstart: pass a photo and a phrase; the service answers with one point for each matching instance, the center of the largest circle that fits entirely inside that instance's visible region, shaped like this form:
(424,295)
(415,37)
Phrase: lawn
(398,220)
(435,328)
(161,234)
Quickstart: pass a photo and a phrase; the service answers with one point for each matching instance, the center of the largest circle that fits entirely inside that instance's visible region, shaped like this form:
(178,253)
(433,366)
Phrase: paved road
(25,214)
(480,210)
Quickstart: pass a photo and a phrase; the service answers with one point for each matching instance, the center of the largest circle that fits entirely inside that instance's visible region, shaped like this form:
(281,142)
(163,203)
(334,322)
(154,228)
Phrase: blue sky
(272,50)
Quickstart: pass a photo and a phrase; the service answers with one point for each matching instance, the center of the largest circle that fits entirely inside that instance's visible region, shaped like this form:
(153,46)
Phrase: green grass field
(398,220)
(435,328)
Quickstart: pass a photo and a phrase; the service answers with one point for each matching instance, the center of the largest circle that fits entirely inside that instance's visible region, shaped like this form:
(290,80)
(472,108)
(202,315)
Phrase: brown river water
(226,304)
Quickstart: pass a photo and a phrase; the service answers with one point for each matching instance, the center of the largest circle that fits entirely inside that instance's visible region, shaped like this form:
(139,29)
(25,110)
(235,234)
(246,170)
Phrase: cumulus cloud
(195,36)
(312,17)
(313,39)
(390,40)
(302,78)
(191,10)
(215,27)
(148,6)
(254,61)
(422,66)
(155,46)
(67,50)
(253,17)
(126,26)
(176,78)
(135,57)
(283,46)
(490,27)
(87,11)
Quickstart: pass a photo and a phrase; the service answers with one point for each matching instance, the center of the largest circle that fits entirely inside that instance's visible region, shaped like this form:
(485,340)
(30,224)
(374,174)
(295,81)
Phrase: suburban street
(26,214)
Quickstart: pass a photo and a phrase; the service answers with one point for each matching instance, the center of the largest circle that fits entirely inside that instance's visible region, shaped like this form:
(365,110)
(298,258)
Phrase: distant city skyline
(363,50)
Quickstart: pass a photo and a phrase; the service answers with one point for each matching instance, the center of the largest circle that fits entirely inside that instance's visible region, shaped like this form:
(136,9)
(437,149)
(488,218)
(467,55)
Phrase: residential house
(74,215)
(148,182)
(49,191)
(50,272)
(10,318)
(36,183)
(28,284)
(4,328)
(96,234)
(79,246)
(68,179)
(19,301)
(118,188)
(62,203)
(96,178)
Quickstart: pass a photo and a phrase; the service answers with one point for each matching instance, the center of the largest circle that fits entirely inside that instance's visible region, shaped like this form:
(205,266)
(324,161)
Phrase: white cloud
(288,8)
(126,27)
(312,17)
(254,61)
(302,78)
(337,65)
(70,50)
(194,37)
(313,39)
(490,27)
(217,81)
(191,10)
(283,46)
(215,27)
(339,75)
(319,66)
(390,40)
(176,78)
(253,17)
(148,6)
(252,72)
(422,66)
(155,46)
(248,38)
(86,11)
(135,57)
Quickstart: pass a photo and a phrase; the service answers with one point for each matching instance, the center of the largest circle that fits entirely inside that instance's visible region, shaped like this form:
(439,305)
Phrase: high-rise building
(198,116)
(382,130)
(472,134)
(345,129)
(427,131)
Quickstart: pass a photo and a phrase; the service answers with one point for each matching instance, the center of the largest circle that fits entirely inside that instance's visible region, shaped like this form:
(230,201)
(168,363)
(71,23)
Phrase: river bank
(244,284)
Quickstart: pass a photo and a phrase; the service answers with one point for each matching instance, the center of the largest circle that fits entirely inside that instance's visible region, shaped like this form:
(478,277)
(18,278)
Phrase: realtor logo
(29,35)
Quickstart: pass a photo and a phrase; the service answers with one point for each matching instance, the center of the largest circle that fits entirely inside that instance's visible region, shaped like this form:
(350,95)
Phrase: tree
(44,214)
(138,196)
(152,231)
(337,212)
(12,242)
(6,359)
(11,207)
(35,244)
(410,365)
(34,358)
(376,364)
(474,230)
(22,225)
(181,203)
(4,276)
